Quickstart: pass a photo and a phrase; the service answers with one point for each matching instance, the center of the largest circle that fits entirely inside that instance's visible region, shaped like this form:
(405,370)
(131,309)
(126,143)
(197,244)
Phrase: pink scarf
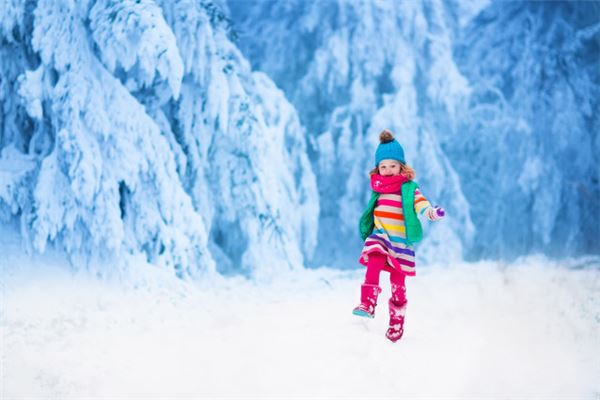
(387,184)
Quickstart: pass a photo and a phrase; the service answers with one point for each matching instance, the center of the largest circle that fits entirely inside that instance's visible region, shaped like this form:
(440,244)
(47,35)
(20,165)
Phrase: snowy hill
(485,330)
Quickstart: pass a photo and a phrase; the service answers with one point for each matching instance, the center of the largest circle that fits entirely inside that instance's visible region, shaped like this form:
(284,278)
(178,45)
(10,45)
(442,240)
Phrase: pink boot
(396,329)
(368,301)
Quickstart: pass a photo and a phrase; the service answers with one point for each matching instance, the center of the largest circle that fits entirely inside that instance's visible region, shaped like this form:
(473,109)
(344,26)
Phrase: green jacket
(414,231)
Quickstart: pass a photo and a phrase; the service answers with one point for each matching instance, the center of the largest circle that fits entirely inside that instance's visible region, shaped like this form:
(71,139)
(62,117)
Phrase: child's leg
(397,281)
(397,305)
(369,291)
(374,267)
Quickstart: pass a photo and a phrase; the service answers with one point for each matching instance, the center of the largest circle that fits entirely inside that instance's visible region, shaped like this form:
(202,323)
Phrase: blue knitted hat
(388,149)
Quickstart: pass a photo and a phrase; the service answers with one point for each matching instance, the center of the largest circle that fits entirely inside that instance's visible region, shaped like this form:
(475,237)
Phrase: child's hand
(435,213)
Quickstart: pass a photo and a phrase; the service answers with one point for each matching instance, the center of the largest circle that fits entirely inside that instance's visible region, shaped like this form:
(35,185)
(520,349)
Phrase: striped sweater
(389,234)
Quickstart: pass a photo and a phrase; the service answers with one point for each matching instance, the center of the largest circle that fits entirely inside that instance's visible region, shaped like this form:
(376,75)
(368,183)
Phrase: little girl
(390,227)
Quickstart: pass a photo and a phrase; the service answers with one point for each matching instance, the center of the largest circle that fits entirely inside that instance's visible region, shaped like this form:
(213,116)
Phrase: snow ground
(527,330)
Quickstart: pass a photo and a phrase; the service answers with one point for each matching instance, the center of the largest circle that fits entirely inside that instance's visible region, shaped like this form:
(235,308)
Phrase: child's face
(389,168)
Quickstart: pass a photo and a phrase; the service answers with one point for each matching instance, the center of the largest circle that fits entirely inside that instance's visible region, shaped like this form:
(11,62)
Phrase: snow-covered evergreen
(133,127)
(351,69)
(492,101)
(529,143)
(129,128)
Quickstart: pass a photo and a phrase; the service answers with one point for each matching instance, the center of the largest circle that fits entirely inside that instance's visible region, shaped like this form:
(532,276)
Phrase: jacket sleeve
(421,203)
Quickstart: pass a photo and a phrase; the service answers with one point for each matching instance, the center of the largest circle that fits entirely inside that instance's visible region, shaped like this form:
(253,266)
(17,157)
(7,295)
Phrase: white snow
(133,34)
(139,132)
(485,330)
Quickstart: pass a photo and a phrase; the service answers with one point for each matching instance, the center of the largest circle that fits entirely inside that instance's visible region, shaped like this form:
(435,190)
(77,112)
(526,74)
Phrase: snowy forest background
(236,136)
(228,143)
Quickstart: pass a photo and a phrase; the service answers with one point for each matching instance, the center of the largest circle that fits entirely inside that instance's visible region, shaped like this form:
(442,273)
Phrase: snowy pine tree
(501,99)
(129,128)
(245,149)
(529,144)
(352,69)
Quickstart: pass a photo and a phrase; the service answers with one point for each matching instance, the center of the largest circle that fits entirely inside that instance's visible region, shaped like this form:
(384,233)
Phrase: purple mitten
(440,211)
(435,213)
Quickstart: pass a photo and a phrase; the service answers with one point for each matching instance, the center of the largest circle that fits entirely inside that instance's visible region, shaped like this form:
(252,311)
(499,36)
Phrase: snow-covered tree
(492,101)
(137,127)
(247,168)
(352,68)
(529,143)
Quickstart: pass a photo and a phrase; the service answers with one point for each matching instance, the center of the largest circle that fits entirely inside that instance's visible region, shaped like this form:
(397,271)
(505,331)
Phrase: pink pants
(374,266)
